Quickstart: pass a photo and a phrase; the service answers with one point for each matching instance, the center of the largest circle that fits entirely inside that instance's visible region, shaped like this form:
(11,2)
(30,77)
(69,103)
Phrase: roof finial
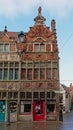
(5,30)
(39,10)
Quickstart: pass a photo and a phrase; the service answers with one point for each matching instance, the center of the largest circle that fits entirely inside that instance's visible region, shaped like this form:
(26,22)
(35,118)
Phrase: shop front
(13,111)
(25,110)
(51,110)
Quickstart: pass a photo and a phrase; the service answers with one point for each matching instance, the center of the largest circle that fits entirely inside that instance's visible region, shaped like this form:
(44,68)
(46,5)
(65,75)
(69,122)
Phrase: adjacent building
(29,72)
(64,98)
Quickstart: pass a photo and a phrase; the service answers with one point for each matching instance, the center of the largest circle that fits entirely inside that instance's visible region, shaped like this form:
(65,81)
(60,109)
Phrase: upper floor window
(51,94)
(4,47)
(39,48)
(9,71)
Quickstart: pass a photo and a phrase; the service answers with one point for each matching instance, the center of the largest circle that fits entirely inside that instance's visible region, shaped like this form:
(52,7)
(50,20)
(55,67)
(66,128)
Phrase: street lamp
(8,105)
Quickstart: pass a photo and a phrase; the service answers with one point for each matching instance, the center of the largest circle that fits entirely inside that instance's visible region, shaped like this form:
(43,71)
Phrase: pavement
(67,124)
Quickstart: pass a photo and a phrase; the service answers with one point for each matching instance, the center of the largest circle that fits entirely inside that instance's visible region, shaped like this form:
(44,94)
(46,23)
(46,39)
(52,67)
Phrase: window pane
(36,64)
(48,73)
(48,65)
(15,94)
(23,65)
(36,73)
(42,73)
(1,64)
(22,108)
(5,77)
(29,65)
(0,94)
(54,64)
(3,94)
(1,48)
(54,73)
(13,106)
(27,107)
(42,48)
(23,74)
(6,64)
(11,74)
(42,64)
(29,74)
(11,65)
(42,94)
(17,65)
(6,47)
(48,94)
(10,94)
(36,48)
(0,73)
(22,94)
(53,94)
(35,95)
(16,74)
(50,107)
(28,94)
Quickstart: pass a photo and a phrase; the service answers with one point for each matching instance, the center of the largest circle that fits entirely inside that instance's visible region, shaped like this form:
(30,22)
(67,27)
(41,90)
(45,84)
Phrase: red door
(38,110)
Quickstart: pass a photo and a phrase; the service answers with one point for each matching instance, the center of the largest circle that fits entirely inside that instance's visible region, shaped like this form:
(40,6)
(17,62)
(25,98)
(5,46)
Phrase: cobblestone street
(67,124)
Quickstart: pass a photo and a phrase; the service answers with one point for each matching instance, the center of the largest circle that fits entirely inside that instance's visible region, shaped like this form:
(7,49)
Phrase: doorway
(38,110)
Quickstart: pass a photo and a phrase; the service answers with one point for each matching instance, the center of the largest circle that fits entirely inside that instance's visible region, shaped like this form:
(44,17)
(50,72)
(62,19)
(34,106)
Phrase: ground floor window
(25,107)
(13,106)
(50,106)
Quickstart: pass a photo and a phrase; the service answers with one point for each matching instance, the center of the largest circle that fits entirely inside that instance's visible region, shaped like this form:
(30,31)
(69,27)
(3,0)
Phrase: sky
(18,16)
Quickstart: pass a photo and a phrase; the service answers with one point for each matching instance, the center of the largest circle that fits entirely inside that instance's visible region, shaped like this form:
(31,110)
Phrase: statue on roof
(39,10)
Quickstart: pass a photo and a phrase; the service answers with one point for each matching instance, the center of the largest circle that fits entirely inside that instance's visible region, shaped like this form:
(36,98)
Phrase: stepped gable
(39,31)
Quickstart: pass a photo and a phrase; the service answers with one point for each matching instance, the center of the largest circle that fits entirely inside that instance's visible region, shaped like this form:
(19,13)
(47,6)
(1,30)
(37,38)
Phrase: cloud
(12,8)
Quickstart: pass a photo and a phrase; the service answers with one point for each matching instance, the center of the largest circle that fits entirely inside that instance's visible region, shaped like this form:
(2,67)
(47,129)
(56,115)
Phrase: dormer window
(20,36)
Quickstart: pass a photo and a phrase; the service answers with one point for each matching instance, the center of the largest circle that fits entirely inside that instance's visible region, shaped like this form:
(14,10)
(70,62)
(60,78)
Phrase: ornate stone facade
(29,69)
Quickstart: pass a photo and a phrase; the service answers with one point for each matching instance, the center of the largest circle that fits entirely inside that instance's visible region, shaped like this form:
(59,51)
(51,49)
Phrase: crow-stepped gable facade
(29,73)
